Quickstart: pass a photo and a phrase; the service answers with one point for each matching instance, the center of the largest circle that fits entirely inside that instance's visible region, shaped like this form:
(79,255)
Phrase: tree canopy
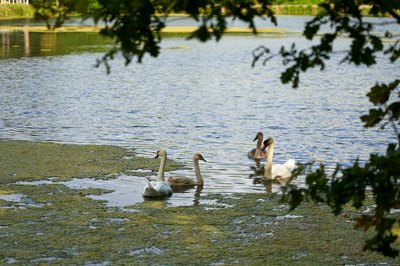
(136,26)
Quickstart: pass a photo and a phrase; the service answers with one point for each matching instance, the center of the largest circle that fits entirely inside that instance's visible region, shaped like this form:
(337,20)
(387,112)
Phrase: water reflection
(27,44)
(270,185)
(197,193)
(19,44)
(10,41)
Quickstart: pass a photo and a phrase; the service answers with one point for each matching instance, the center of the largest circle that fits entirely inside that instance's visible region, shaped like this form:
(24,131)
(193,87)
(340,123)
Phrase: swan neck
(258,149)
(197,172)
(160,176)
(268,164)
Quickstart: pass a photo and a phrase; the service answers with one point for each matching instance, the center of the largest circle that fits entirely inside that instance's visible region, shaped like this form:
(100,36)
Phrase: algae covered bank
(48,222)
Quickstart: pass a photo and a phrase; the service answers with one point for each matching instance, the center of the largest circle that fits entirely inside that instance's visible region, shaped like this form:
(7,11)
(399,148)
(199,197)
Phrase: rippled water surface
(196,97)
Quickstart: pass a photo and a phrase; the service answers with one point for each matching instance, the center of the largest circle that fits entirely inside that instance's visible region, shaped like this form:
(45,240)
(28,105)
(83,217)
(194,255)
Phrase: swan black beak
(256,138)
(202,158)
(157,155)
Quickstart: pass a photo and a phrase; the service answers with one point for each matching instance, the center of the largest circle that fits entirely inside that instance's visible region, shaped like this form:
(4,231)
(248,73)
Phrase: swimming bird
(183,181)
(276,171)
(257,153)
(158,188)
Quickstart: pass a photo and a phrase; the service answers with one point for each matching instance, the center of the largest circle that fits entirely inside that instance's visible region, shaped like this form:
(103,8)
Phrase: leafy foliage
(381,174)
(380,177)
(58,9)
(135,27)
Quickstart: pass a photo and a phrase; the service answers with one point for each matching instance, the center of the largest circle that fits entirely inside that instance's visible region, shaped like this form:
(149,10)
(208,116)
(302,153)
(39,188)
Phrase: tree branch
(389,10)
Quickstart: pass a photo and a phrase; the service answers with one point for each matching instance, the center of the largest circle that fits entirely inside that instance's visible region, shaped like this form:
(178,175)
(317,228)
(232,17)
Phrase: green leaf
(373,118)
(379,94)
(202,34)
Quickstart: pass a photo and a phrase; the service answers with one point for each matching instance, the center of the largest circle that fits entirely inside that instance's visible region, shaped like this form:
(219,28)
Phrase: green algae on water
(64,227)
(29,161)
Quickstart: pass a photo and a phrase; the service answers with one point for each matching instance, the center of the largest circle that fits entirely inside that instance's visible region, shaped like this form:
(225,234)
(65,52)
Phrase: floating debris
(149,251)
(289,216)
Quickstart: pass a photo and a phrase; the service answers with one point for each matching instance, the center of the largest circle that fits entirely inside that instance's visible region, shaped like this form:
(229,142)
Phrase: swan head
(161,153)
(258,136)
(198,156)
(268,142)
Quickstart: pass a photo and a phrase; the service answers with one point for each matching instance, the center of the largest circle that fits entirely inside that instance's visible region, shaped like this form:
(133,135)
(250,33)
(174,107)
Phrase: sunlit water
(194,97)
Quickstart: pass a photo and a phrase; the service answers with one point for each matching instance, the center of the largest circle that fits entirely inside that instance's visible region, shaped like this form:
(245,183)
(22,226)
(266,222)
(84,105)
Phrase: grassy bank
(54,224)
(9,11)
(298,10)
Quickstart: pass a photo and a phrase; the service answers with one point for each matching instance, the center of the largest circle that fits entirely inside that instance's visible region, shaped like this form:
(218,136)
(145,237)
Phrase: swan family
(161,188)
(264,149)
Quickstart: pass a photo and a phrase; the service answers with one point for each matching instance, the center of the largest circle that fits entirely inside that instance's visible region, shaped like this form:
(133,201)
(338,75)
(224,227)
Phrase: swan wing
(180,181)
(163,188)
(280,171)
(251,154)
(290,164)
(157,189)
(149,190)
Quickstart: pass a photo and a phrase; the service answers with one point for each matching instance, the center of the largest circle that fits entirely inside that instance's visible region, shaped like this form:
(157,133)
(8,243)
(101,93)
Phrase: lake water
(194,97)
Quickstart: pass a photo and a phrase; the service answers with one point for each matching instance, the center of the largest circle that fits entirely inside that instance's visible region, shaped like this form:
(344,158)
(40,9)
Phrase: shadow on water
(159,198)
(195,193)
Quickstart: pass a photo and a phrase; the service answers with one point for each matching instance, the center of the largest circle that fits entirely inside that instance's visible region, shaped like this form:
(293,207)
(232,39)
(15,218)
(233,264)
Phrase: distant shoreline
(18,11)
(10,11)
(95,29)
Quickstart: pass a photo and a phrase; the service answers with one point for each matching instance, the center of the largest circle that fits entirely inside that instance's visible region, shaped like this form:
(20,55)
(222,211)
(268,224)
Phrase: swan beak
(256,138)
(202,158)
(156,156)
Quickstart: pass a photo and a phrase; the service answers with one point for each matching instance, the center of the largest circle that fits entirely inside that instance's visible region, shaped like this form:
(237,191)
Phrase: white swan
(276,171)
(158,188)
(183,181)
(257,153)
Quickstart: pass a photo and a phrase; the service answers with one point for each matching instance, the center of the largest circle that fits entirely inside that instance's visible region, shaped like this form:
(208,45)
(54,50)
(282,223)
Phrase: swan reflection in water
(183,190)
(197,193)
(268,183)
(259,178)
